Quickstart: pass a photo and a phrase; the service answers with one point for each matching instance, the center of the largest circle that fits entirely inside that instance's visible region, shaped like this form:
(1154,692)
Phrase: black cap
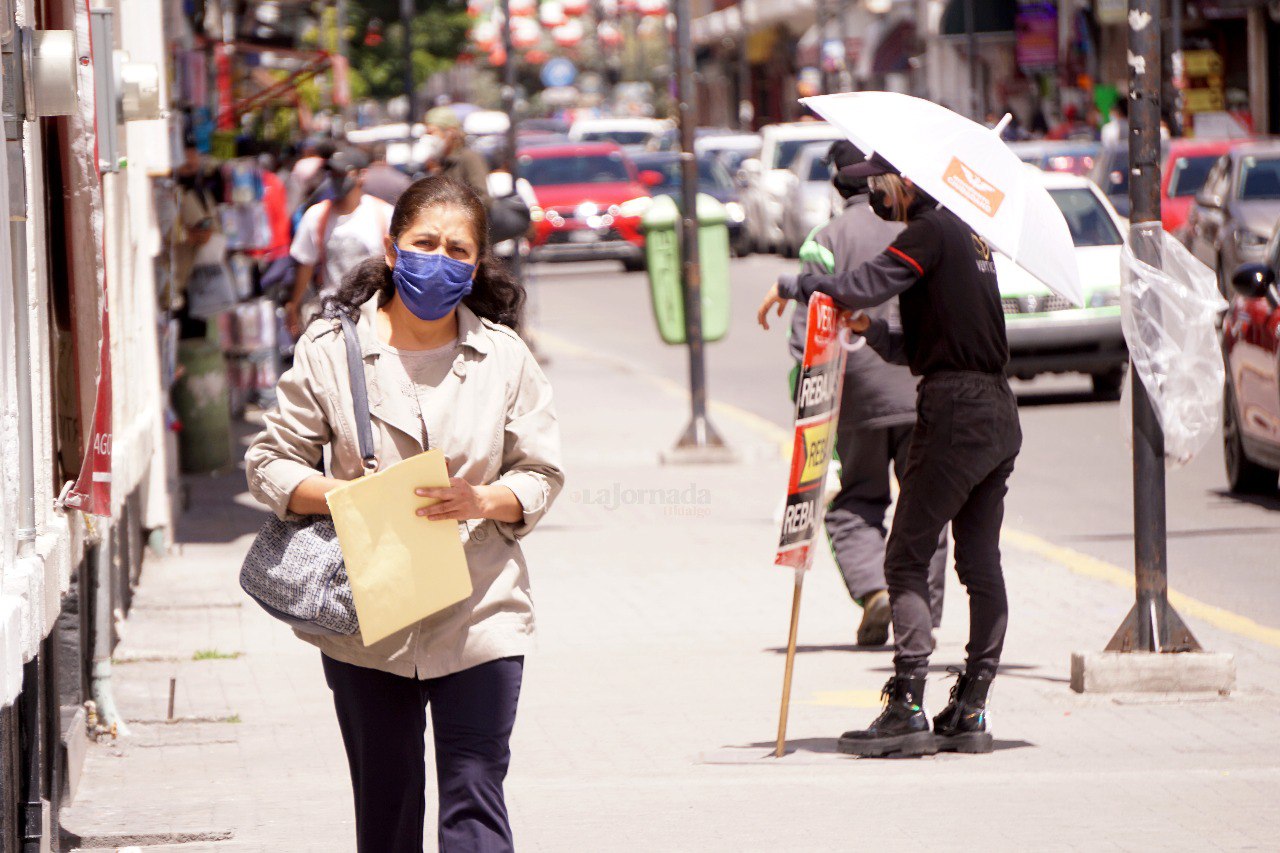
(349,160)
(872,166)
(843,153)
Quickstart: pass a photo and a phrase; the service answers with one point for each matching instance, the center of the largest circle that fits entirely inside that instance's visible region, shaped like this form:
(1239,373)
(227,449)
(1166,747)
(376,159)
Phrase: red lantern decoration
(574,7)
(537,57)
(569,34)
(485,35)
(609,35)
(525,32)
(497,57)
(652,7)
(551,13)
(523,8)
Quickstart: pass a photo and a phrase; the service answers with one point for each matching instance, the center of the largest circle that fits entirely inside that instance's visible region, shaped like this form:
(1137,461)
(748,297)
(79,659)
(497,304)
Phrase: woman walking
(443,370)
(961,454)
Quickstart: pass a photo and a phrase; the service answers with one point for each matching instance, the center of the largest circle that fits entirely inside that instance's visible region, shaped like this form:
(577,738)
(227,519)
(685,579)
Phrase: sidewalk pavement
(649,711)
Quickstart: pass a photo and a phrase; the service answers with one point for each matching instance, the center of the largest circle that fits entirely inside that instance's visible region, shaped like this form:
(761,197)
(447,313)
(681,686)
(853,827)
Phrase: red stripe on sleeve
(910,260)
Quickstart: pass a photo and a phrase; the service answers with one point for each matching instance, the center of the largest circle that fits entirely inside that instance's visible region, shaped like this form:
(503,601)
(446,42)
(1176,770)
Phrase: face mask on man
(881,206)
(430,284)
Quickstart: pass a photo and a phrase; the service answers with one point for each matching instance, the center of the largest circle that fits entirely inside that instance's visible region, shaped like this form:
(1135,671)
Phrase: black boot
(962,725)
(902,727)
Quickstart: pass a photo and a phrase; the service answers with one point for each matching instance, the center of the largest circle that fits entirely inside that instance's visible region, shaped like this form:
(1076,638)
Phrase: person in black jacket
(966,439)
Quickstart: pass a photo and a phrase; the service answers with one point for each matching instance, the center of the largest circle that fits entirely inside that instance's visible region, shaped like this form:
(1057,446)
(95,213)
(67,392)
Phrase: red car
(590,200)
(1251,403)
(1186,165)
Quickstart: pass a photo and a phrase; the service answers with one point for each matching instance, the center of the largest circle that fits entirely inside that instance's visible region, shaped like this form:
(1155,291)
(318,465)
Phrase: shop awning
(990,17)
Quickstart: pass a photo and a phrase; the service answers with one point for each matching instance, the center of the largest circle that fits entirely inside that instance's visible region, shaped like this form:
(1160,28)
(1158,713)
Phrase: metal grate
(1034,304)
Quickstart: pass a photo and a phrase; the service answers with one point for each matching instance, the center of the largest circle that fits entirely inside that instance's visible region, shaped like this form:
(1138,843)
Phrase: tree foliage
(438,33)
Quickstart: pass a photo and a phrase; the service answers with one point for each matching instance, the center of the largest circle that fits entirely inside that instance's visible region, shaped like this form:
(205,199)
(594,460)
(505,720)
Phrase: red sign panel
(91,493)
(817,408)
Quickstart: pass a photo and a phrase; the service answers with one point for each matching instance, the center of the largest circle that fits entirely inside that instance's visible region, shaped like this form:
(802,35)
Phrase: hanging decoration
(523,8)
(525,33)
(551,13)
(574,7)
(569,34)
(485,35)
(652,7)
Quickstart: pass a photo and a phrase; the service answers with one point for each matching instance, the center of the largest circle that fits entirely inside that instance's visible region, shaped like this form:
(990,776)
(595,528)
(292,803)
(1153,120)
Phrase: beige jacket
(492,417)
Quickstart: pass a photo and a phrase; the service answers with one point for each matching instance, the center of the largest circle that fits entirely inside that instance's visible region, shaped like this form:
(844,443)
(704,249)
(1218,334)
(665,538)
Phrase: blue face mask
(431,285)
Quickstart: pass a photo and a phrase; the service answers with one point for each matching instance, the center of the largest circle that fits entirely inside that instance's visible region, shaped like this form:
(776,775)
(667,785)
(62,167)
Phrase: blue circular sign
(559,72)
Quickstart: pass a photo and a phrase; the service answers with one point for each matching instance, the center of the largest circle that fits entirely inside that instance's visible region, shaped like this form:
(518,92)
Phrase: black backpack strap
(359,394)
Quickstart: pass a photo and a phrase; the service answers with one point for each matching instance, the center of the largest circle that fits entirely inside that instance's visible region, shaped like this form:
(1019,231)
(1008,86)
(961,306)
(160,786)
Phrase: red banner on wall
(817,408)
(91,492)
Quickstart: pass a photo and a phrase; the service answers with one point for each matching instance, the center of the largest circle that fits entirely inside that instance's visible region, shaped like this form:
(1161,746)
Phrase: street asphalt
(1073,485)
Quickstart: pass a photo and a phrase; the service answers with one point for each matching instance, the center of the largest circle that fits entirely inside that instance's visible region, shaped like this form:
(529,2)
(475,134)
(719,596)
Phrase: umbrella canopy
(970,171)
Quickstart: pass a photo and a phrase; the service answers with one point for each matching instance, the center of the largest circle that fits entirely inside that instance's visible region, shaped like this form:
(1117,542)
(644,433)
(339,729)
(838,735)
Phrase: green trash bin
(203,405)
(661,224)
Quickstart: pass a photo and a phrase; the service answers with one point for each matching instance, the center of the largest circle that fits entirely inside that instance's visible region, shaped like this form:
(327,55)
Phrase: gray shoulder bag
(294,569)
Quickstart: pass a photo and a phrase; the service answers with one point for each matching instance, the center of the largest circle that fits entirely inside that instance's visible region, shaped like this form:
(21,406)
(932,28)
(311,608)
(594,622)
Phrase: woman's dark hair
(495,295)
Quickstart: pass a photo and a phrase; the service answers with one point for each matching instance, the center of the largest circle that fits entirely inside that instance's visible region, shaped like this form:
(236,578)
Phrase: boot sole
(974,743)
(919,743)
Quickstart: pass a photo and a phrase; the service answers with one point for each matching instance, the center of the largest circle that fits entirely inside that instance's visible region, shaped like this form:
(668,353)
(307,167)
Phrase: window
(618,137)
(785,154)
(819,170)
(1089,222)
(1190,174)
(553,171)
(1259,178)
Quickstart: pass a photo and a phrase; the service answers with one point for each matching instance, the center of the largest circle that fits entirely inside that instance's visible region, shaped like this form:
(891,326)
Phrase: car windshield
(592,169)
(787,151)
(711,175)
(1259,178)
(1189,174)
(618,137)
(1088,220)
(819,170)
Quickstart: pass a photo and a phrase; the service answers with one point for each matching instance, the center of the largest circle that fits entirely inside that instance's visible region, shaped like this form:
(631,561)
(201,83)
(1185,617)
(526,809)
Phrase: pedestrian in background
(877,411)
(333,237)
(381,179)
(202,284)
(444,370)
(455,159)
(962,452)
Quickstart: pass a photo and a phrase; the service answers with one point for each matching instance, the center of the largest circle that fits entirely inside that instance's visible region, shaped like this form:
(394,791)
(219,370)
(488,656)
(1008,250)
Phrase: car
(731,149)
(1111,173)
(590,200)
(765,179)
(1186,166)
(1046,333)
(1235,211)
(661,173)
(1075,157)
(632,134)
(1251,397)
(810,198)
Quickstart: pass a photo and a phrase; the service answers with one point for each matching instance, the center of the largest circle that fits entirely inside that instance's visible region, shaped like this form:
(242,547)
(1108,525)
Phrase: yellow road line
(1083,564)
(1074,561)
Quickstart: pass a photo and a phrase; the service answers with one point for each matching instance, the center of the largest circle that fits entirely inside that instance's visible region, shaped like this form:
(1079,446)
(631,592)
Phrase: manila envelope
(402,567)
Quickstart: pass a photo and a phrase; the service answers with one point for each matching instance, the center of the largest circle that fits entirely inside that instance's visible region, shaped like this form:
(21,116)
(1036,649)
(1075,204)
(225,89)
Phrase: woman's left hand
(461,501)
(772,301)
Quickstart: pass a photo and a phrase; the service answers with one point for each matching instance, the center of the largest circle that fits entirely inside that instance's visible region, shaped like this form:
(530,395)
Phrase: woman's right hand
(293,318)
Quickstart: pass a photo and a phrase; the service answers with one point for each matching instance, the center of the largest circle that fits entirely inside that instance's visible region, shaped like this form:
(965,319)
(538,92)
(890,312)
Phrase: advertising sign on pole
(91,492)
(817,409)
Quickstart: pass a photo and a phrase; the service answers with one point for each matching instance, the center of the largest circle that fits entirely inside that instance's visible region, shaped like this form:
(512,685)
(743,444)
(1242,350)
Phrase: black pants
(855,518)
(966,439)
(383,721)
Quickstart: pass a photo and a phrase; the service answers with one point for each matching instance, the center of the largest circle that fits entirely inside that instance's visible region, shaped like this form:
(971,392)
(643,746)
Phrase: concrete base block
(1148,672)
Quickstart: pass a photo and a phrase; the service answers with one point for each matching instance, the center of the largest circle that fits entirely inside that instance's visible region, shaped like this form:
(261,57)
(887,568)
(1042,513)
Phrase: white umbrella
(969,170)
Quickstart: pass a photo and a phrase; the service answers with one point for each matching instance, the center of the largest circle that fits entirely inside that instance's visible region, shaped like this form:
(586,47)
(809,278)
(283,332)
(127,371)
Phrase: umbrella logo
(975,189)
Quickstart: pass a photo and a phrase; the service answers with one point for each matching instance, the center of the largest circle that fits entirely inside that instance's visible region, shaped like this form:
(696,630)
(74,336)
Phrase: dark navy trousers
(383,718)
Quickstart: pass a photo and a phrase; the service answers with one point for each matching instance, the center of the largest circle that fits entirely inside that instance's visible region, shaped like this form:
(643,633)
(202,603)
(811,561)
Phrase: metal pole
(699,433)
(1152,625)
(410,89)
(509,107)
(972,36)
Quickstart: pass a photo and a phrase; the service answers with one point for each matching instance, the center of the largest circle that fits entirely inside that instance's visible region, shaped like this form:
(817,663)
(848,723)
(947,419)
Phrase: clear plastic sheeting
(1169,318)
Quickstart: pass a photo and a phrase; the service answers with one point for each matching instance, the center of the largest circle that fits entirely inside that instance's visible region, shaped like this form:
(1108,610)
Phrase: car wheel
(1107,385)
(634,265)
(1243,475)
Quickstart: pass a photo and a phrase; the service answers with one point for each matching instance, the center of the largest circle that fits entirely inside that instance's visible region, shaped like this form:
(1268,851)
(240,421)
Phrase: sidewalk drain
(113,841)
(161,721)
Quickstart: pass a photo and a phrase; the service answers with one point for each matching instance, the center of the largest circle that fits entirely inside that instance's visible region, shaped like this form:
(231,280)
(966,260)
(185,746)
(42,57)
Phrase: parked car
(590,200)
(810,198)
(1186,167)
(1111,174)
(632,134)
(1251,400)
(764,179)
(1046,333)
(661,172)
(1236,209)
(1075,157)
(731,149)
